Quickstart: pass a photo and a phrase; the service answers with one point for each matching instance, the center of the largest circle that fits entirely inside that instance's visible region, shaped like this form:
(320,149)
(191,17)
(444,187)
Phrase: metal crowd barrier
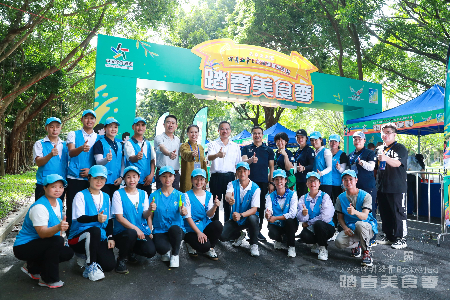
(427,176)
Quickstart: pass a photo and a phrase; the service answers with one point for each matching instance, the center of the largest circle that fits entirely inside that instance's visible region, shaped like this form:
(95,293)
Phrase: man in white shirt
(224,156)
(167,147)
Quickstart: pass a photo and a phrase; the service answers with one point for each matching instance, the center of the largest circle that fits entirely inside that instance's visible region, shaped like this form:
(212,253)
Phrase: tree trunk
(2,148)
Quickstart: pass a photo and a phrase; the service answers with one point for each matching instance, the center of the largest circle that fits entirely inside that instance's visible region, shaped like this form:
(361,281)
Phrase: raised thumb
(142,149)
(153,200)
(64,219)
(56,144)
(110,151)
(101,213)
(86,141)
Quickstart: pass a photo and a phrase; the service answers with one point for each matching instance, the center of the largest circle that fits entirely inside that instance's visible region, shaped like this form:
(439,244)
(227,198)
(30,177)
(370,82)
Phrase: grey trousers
(363,234)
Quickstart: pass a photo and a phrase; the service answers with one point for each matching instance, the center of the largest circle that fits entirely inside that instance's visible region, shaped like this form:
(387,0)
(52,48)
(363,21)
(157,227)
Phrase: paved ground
(238,275)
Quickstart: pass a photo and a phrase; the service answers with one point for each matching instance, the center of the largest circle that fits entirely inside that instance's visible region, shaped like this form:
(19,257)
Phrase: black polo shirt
(366,180)
(393,180)
(304,157)
(279,160)
(259,171)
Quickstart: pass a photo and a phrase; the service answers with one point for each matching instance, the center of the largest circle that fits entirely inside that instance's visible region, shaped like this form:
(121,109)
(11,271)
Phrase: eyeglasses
(388,133)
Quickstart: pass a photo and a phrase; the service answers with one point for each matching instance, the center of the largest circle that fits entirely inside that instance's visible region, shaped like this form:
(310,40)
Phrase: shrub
(14,189)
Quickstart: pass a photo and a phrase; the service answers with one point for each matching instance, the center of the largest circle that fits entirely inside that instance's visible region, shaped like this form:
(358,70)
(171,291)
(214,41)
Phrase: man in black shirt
(304,157)
(391,181)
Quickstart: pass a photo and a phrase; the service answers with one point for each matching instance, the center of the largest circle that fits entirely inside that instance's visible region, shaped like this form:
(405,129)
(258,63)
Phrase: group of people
(107,186)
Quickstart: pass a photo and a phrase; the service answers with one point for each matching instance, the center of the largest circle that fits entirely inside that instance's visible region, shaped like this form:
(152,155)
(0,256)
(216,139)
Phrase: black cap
(301,132)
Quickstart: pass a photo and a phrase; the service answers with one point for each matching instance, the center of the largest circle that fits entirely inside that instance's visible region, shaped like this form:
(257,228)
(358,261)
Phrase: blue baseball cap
(315,135)
(98,170)
(111,120)
(198,172)
(54,178)
(334,137)
(349,172)
(139,119)
(313,174)
(242,164)
(166,169)
(52,119)
(279,173)
(89,111)
(131,168)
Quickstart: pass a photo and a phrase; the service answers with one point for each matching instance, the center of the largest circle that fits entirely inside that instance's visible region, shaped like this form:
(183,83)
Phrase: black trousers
(393,214)
(290,228)
(218,186)
(73,187)
(262,205)
(39,192)
(127,242)
(98,250)
(302,189)
(213,231)
(232,230)
(146,188)
(322,232)
(110,189)
(175,184)
(170,240)
(336,190)
(327,189)
(43,256)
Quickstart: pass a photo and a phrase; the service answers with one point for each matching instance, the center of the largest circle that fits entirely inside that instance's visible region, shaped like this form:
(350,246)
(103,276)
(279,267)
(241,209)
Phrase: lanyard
(198,148)
(354,161)
(387,150)
(101,200)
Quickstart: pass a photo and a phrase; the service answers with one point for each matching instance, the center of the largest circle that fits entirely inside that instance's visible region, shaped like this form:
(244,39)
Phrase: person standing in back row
(224,156)
(304,157)
(167,147)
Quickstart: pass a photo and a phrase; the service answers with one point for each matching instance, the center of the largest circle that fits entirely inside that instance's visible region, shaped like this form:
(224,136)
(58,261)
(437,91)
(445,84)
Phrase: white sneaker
(191,251)
(323,253)
(254,250)
(94,272)
(333,238)
(240,240)
(211,254)
(291,252)
(315,249)
(81,259)
(174,261)
(52,285)
(166,257)
(32,276)
(278,246)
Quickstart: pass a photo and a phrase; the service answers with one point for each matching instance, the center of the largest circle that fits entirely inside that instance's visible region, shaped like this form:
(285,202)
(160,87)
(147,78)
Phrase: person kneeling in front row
(355,217)
(244,209)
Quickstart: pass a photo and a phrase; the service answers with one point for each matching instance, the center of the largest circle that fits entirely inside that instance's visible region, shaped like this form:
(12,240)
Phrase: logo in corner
(120,53)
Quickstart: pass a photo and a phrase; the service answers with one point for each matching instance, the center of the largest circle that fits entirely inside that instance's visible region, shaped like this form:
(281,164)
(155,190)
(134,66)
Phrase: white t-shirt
(39,215)
(38,150)
(292,213)
(255,199)
(117,208)
(201,199)
(170,145)
(229,161)
(91,138)
(128,150)
(79,204)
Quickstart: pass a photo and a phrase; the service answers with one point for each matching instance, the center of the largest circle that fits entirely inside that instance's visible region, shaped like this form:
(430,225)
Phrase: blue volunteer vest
(167,211)
(132,214)
(316,211)
(276,208)
(28,232)
(246,202)
(143,164)
(198,212)
(115,164)
(351,220)
(55,165)
(335,174)
(91,210)
(320,164)
(84,159)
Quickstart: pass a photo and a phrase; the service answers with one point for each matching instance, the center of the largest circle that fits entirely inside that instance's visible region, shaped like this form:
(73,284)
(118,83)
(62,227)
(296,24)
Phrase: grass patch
(14,189)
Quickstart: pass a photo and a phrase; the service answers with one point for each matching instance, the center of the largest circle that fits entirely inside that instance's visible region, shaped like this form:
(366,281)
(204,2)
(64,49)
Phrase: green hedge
(14,188)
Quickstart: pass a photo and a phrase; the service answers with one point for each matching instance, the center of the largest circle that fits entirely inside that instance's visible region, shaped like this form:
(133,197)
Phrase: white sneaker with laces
(166,257)
(323,253)
(81,260)
(400,243)
(291,252)
(174,261)
(211,254)
(94,272)
(278,246)
(254,250)
(315,249)
(52,285)
(240,240)
(191,251)
(32,276)
(333,238)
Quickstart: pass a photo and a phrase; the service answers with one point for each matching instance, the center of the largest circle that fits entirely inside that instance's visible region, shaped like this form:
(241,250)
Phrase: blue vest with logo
(90,210)
(246,202)
(133,214)
(351,220)
(28,232)
(198,212)
(320,164)
(335,174)
(167,211)
(115,164)
(143,164)
(84,160)
(316,211)
(56,164)
(276,208)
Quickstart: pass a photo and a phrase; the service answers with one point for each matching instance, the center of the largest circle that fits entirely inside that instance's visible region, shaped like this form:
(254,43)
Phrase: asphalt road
(420,273)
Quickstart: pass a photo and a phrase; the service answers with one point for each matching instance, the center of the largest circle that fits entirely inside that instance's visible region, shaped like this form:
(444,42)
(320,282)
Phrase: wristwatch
(241,216)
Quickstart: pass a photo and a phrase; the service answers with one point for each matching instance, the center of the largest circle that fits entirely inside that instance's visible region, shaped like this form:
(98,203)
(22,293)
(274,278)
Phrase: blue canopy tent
(242,135)
(277,128)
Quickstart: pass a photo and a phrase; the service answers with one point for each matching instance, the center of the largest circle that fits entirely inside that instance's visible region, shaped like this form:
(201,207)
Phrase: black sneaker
(356,252)
(261,237)
(400,243)
(132,258)
(121,266)
(384,241)
(367,259)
